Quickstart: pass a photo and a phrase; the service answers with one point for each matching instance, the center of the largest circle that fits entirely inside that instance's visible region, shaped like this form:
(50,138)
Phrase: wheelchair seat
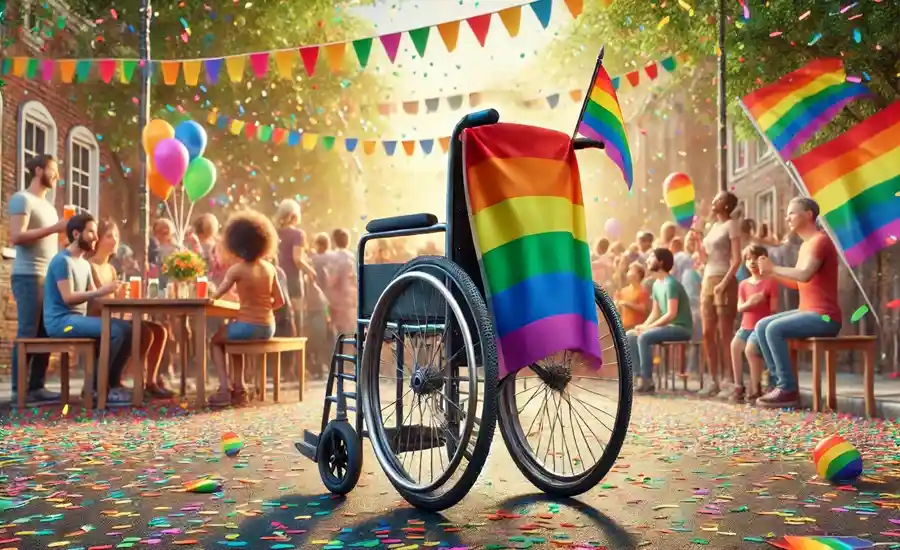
(398,223)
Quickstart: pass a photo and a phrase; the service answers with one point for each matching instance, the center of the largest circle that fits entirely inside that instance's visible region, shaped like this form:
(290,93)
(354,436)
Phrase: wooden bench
(64,346)
(261,348)
(867,345)
(678,352)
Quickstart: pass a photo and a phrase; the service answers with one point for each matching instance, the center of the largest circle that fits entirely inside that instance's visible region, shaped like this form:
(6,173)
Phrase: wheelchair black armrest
(585,143)
(399,223)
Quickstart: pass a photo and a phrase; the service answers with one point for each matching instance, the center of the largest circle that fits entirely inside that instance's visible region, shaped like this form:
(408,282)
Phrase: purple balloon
(171,158)
(613,229)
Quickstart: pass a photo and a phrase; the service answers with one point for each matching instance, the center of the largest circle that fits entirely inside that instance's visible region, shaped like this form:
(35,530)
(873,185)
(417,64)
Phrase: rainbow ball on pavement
(837,460)
(232,444)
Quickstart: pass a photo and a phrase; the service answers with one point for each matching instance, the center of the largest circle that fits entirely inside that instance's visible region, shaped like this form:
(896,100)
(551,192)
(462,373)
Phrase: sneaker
(41,396)
(736,395)
(779,399)
(118,397)
(709,391)
(645,387)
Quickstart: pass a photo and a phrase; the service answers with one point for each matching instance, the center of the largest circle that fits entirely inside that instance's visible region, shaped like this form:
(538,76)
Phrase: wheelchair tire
(474,444)
(340,457)
(515,437)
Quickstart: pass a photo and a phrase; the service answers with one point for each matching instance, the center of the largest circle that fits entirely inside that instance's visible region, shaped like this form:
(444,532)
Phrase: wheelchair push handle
(585,143)
(481,118)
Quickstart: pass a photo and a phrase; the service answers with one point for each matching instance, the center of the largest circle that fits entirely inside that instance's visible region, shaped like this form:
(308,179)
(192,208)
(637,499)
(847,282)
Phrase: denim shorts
(247,331)
(747,335)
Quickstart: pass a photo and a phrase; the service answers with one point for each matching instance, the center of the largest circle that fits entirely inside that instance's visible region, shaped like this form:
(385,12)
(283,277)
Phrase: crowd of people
(720,284)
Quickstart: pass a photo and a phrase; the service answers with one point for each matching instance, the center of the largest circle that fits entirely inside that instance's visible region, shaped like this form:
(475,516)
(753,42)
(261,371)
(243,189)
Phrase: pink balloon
(613,229)
(171,160)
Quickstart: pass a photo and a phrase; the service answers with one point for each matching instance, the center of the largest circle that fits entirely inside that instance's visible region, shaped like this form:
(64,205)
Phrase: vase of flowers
(183,268)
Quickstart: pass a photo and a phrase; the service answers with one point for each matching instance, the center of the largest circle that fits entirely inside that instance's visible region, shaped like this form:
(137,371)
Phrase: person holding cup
(68,288)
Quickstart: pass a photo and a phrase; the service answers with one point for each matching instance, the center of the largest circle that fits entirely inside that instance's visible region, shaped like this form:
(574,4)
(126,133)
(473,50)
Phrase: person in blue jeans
(67,289)
(669,320)
(33,230)
(819,315)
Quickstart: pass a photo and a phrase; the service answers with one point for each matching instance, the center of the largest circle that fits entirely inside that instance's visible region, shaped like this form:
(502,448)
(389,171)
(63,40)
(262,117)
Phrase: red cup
(202,288)
(134,287)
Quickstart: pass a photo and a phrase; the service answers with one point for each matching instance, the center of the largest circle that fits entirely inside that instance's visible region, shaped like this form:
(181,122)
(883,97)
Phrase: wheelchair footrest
(409,439)
(309,446)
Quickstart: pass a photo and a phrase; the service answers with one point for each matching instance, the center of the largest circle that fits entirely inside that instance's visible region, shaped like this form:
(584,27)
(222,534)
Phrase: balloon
(193,136)
(171,160)
(613,229)
(678,191)
(159,186)
(199,179)
(154,132)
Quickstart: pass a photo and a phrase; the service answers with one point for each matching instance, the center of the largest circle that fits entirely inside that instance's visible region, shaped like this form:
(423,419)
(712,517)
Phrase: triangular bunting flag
(553,100)
(237,126)
(474,99)
(385,109)
(449,34)
(411,107)
(66,70)
(334,53)
(652,70)
(278,135)
(309,56)
(31,70)
(191,70)
(170,70)
(234,66)
(350,144)
(427,145)
(126,71)
(250,131)
(409,145)
(213,68)
(309,141)
(222,122)
(107,69)
(47,68)
(444,143)
(542,9)
(284,63)
(575,7)
(576,95)
(265,133)
(327,142)
(455,101)
(294,138)
(511,19)
(19,65)
(363,48)
(668,63)
(419,39)
(616,81)
(389,147)
(391,43)
(369,146)
(480,25)
(212,116)
(82,70)
(634,78)
(432,104)
(259,62)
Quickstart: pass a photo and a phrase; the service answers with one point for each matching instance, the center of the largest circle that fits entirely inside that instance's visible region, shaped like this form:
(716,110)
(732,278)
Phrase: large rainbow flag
(855,178)
(524,196)
(792,110)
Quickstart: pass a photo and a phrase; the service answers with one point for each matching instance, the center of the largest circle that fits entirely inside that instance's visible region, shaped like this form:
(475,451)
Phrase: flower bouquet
(183,267)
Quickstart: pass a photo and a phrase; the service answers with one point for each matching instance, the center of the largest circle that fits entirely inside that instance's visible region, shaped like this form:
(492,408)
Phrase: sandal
(240,397)
(159,392)
(221,398)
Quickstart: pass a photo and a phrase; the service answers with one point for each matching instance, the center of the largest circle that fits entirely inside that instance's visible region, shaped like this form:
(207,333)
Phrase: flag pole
(798,183)
(587,96)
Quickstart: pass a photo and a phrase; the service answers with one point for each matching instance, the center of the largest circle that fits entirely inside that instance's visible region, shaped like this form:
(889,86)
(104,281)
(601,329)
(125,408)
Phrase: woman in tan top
(720,250)
(250,237)
(155,335)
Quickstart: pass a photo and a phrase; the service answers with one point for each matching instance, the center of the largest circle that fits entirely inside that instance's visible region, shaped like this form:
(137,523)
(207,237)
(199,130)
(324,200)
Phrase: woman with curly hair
(250,237)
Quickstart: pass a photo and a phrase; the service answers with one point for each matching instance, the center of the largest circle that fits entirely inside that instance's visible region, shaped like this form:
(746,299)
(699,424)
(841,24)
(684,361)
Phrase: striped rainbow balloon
(678,190)
(837,460)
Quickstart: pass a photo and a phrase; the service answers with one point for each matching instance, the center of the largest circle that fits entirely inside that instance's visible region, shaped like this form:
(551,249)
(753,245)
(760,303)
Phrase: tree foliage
(776,38)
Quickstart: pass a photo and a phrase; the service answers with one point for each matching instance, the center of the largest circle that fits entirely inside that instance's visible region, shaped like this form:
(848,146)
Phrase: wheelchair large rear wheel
(428,382)
(586,412)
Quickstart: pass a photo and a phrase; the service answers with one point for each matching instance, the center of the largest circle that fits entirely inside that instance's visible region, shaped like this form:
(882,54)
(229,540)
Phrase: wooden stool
(261,348)
(867,345)
(64,346)
(677,351)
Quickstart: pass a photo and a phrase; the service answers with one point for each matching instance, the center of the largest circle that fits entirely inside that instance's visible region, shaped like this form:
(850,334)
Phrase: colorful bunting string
(79,70)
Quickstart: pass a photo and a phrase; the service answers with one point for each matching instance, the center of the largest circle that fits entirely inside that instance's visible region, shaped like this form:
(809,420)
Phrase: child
(757,298)
(633,300)
(250,237)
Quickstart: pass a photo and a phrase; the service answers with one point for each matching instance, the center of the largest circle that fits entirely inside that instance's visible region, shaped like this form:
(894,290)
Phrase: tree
(776,38)
(250,172)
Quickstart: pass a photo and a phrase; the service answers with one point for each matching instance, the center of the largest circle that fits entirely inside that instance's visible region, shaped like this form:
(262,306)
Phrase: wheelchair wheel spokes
(426,412)
(564,422)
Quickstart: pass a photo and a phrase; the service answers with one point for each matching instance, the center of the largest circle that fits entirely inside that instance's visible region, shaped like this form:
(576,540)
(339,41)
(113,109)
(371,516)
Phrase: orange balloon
(154,132)
(159,186)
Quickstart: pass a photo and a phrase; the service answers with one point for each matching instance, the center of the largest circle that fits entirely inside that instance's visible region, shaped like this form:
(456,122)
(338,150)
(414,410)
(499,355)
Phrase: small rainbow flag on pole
(523,191)
(792,110)
(855,179)
(601,119)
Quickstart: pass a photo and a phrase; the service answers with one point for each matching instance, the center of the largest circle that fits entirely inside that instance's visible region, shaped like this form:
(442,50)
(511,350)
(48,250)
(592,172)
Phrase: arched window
(37,136)
(83,170)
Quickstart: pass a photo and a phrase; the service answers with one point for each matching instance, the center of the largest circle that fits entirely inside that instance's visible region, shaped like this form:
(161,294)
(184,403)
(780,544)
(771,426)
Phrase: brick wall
(115,200)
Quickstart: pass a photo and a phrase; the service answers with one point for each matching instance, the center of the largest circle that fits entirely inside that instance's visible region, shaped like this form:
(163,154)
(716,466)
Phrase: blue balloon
(193,137)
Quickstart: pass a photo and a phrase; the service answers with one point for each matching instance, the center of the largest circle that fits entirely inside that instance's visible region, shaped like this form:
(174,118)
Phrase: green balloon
(199,178)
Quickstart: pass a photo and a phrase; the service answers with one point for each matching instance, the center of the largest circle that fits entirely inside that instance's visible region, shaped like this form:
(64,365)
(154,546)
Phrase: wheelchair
(426,341)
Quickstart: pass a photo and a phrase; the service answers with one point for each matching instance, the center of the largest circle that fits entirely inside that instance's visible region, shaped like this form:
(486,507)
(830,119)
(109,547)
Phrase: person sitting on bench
(669,320)
(68,288)
(819,314)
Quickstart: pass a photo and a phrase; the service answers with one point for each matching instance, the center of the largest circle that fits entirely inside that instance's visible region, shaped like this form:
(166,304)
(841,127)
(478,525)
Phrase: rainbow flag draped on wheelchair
(524,197)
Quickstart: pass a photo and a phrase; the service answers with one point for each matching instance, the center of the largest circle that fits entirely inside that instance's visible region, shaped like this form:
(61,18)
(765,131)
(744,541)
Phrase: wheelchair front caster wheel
(340,457)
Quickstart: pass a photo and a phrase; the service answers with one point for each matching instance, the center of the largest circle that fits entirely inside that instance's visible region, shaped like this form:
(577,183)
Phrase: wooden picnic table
(197,308)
